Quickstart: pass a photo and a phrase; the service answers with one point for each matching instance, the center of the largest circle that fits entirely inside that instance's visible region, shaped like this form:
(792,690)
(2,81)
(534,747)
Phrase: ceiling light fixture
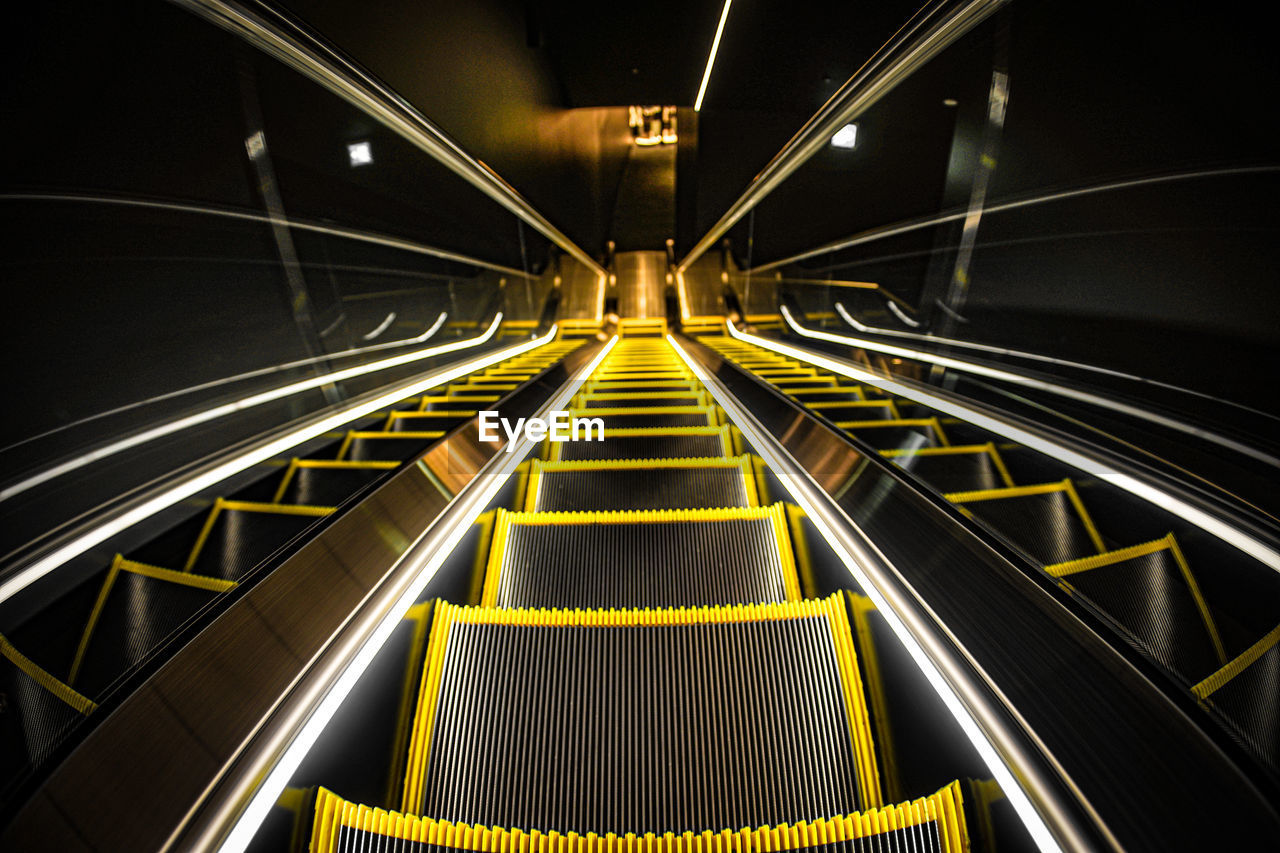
(845,137)
(711,60)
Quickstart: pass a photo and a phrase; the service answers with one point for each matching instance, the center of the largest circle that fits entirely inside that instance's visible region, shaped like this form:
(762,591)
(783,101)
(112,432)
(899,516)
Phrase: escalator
(62,661)
(645,663)
(1209,643)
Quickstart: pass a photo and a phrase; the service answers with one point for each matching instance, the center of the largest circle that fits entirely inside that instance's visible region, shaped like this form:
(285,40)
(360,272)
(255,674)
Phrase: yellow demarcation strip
(40,676)
(944,808)
(831,608)
(862,609)
(957,450)
(723,431)
(709,412)
(538,467)
(422,417)
(326,464)
(505,520)
(352,435)
(828,389)
(420,617)
(449,399)
(221,505)
(1247,658)
(1065,486)
(120,564)
(861,405)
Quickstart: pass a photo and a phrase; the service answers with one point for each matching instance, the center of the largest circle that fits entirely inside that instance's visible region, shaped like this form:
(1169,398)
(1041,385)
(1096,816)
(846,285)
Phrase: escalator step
(643,558)
(1046,521)
(641,720)
(635,417)
(968,468)
(39,710)
(1247,692)
(641,484)
(434,420)
(897,434)
(933,824)
(138,608)
(1150,591)
(679,386)
(386,446)
(843,410)
(608,401)
(238,535)
(327,482)
(673,443)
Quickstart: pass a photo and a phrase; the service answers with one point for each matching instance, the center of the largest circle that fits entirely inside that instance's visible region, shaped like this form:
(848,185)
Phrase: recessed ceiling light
(949,102)
(361,153)
(845,137)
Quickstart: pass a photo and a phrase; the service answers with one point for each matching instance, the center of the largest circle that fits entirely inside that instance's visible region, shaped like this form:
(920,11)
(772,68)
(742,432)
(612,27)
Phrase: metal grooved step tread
(640,484)
(673,443)
(641,721)
(656,558)
(933,824)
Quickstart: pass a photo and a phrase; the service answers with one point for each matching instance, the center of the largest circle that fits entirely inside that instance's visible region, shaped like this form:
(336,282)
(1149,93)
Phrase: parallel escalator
(58,664)
(1222,653)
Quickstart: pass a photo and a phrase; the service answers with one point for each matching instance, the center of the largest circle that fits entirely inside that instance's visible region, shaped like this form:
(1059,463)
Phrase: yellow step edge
(957,450)
(774,513)
(221,505)
(728,440)
(441,414)
(945,808)
(1243,661)
(1166,543)
(326,464)
(1066,487)
(447,399)
(742,463)
(41,676)
(932,423)
(353,435)
(831,608)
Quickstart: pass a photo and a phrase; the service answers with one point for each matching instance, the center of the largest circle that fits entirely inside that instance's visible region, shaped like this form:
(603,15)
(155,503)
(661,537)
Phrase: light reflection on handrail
(179,424)
(1210,523)
(227,380)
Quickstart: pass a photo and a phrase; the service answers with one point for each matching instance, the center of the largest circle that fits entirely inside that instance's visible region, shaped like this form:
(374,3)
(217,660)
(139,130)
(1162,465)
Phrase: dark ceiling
(775,55)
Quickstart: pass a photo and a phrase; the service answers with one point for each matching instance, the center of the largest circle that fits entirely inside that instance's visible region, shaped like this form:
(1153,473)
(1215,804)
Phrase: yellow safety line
(1215,682)
(352,435)
(171,576)
(495,557)
(424,717)
(932,423)
(855,702)
(448,398)
(862,607)
(1109,558)
(642,516)
(819,405)
(945,808)
(1201,604)
(420,615)
(443,414)
(94,615)
(786,555)
(285,480)
(40,676)
(957,450)
(800,544)
(841,389)
(726,438)
(222,504)
(1064,486)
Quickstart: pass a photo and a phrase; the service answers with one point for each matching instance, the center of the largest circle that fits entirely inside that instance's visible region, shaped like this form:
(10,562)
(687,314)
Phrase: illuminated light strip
(1258,550)
(876,330)
(239,406)
(855,563)
(432,548)
(711,60)
(199,482)
(262,371)
(382,327)
(600,298)
(1039,384)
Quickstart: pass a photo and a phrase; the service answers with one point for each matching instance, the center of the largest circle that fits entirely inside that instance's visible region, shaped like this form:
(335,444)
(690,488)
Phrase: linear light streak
(1030,382)
(179,424)
(711,59)
(227,380)
(429,552)
(818,514)
(1164,500)
(381,327)
(198,482)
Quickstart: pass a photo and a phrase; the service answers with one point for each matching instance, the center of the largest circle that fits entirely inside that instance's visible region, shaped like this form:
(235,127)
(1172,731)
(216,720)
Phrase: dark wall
(1174,280)
(471,69)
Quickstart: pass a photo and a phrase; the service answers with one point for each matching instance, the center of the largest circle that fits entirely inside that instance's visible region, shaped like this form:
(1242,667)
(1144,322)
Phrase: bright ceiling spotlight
(845,137)
(361,153)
